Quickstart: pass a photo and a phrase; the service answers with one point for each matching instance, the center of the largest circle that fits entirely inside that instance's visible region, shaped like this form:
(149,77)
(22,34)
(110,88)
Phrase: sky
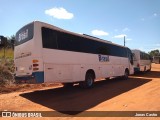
(137,20)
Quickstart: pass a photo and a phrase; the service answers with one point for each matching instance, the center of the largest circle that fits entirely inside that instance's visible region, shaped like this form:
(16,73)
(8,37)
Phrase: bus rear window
(24,34)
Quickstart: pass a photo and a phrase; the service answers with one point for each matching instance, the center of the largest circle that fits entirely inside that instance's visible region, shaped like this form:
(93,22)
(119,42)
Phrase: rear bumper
(36,77)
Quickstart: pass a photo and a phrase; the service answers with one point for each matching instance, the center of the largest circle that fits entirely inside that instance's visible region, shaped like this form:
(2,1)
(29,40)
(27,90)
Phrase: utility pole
(124,40)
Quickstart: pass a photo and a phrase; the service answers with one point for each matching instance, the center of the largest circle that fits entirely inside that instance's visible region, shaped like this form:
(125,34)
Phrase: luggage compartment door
(58,73)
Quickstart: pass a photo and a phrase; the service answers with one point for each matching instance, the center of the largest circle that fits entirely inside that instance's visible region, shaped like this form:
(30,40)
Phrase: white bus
(141,61)
(50,54)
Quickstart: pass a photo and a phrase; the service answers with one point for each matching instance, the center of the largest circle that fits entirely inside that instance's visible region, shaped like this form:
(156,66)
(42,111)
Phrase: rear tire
(89,80)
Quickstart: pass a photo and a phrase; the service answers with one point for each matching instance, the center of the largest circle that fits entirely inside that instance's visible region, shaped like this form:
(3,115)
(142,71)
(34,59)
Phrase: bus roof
(136,50)
(73,33)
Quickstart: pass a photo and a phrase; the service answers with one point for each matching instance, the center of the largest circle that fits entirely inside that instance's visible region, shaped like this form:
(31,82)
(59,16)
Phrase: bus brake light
(35,65)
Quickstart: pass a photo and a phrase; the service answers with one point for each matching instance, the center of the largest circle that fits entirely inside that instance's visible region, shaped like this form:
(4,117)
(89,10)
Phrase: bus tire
(126,74)
(89,80)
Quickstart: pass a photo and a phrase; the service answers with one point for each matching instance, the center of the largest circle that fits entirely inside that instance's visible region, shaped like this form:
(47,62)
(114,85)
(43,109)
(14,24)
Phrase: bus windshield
(24,34)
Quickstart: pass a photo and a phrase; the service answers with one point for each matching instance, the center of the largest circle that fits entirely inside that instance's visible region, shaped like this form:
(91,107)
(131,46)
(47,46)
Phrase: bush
(6,71)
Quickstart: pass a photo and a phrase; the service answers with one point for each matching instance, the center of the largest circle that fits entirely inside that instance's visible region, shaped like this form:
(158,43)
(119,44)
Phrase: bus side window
(49,38)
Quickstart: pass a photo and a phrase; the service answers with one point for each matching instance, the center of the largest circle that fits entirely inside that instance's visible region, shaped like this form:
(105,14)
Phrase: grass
(8,53)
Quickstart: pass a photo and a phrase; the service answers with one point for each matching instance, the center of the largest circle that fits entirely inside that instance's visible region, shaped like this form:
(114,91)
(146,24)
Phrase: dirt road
(140,93)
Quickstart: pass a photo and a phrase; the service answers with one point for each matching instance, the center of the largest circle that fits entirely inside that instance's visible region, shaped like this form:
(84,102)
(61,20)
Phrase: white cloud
(126,29)
(99,33)
(150,17)
(120,36)
(155,14)
(59,13)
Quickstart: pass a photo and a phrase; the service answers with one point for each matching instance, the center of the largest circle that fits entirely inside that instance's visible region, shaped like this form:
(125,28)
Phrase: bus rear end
(136,60)
(27,64)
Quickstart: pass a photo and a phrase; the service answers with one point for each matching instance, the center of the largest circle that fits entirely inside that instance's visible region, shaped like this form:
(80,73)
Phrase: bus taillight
(35,61)
(35,65)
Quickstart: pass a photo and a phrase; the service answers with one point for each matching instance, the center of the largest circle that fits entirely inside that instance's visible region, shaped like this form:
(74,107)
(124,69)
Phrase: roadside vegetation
(6,60)
(6,69)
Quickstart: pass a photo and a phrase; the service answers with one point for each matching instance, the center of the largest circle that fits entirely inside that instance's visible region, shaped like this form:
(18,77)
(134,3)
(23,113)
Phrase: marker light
(35,61)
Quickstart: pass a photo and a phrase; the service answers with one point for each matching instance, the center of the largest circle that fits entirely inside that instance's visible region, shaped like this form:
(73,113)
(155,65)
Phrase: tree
(11,41)
(154,53)
(3,43)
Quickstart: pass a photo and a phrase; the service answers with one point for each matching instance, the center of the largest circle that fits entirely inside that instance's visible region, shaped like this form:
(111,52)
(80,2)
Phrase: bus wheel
(89,80)
(126,74)
(67,85)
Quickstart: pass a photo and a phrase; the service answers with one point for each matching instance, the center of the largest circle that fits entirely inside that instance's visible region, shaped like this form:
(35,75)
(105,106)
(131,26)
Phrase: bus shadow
(72,101)
(149,74)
